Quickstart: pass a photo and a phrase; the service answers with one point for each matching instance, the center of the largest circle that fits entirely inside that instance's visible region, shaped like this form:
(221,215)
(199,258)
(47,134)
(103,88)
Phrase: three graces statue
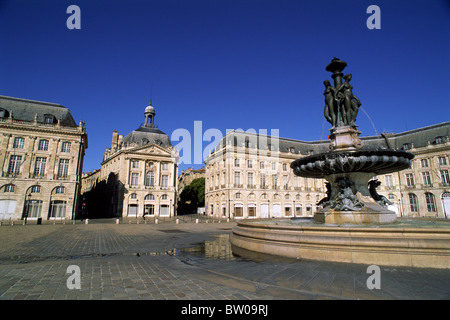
(341,105)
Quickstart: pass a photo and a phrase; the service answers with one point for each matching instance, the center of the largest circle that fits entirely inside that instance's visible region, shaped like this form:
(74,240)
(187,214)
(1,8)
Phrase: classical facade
(41,157)
(138,175)
(249,176)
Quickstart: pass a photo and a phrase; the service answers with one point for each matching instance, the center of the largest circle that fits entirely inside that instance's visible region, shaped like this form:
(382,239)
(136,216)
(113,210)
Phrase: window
(251,211)
(287,211)
(413,202)
(274,181)
(14,164)
(236,162)
(134,164)
(57,209)
(150,165)
(134,180)
(18,143)
(426,179)
(442,161)
(65,147)
(250,180)
(39,167)
(133,196)
(249,164)
(149,197)
(274,166)
(43,145)
(284,166)
(165,166)
(149,209)
(35,189)
(237,179)
(261,165)
(445,177)
(60,190)
(439,140)
(150,179)
(431,204)
(164,181)
(238,195)
(409,180)
(63,168)
(164,197)
(9,188)
(424,163)
(407,146)
(48,118)
(389,181)
(285,182)
(262,180)
(238,212)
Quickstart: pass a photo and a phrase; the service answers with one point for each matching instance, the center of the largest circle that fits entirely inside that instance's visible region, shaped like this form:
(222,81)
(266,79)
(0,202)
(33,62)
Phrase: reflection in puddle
(221,249)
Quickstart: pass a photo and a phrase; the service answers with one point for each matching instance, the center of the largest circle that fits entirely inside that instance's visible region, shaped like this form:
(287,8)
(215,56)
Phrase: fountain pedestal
(345,138)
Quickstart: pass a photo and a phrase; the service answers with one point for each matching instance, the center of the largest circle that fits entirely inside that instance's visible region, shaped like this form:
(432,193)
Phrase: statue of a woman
(330,104)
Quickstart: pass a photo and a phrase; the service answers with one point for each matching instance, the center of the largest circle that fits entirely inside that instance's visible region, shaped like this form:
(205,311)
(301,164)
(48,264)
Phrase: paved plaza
(180,261)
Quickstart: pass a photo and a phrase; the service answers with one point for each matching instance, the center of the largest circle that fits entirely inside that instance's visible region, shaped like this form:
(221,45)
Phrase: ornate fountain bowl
(341,162)
(351,196)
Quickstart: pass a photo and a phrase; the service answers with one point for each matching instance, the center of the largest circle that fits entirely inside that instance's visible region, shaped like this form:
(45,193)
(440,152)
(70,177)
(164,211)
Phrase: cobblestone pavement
(185,261)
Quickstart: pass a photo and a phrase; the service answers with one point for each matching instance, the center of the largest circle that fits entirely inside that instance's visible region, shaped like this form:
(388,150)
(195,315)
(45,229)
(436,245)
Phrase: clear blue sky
(229,63)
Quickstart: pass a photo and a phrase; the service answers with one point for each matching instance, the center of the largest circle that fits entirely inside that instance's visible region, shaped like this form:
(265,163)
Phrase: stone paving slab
(168,262)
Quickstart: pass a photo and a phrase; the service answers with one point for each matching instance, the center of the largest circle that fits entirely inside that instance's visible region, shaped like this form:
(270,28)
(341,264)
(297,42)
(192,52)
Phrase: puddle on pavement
(222,249)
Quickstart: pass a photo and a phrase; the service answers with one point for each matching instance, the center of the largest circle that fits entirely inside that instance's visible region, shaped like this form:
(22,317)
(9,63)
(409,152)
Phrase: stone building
(41,157)
(248,175)
(138,175)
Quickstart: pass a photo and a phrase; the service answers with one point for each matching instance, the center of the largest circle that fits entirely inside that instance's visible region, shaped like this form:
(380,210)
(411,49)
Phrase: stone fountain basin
(412,243)
(382,161)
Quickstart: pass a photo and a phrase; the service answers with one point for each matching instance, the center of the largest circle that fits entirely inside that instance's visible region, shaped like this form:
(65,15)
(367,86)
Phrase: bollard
(228,219)
(156,221)
(177,221)
(117,221)
(86,221)
(196,221)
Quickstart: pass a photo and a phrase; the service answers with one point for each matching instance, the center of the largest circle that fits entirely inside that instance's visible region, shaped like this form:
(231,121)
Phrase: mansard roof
(30,110)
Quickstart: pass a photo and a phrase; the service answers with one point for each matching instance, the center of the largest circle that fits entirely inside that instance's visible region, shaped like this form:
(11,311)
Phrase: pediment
(152,149)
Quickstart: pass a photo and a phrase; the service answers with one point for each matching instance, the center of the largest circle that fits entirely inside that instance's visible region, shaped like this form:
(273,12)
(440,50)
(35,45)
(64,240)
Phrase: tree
(192,197)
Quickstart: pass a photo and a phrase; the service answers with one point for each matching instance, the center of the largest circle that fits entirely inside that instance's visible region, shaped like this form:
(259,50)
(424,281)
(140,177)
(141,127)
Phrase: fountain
(354,224)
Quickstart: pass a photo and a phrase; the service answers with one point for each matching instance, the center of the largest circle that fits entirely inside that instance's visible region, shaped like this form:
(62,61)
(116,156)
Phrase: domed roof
(149,109)
(144,135)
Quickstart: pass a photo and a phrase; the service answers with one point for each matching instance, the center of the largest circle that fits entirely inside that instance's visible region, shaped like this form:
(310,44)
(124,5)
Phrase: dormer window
(439,140)
(49,119)
(407,146)
(4,113)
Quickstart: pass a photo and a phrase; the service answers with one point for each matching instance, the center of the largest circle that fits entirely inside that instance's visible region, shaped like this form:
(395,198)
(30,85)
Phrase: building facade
(249,175)
(42,151)
(138,175)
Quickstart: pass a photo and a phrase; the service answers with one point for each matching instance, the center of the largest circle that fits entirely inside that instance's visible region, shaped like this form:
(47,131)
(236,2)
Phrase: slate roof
(145,135)
(23,109)
(416,138)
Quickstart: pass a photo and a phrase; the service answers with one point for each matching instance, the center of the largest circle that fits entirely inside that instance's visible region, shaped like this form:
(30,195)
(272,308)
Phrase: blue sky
(249,64)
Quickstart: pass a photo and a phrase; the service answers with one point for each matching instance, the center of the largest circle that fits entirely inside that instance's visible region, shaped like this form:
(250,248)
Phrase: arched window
(413,202)
(133,196)
(149,197)
(431,203)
